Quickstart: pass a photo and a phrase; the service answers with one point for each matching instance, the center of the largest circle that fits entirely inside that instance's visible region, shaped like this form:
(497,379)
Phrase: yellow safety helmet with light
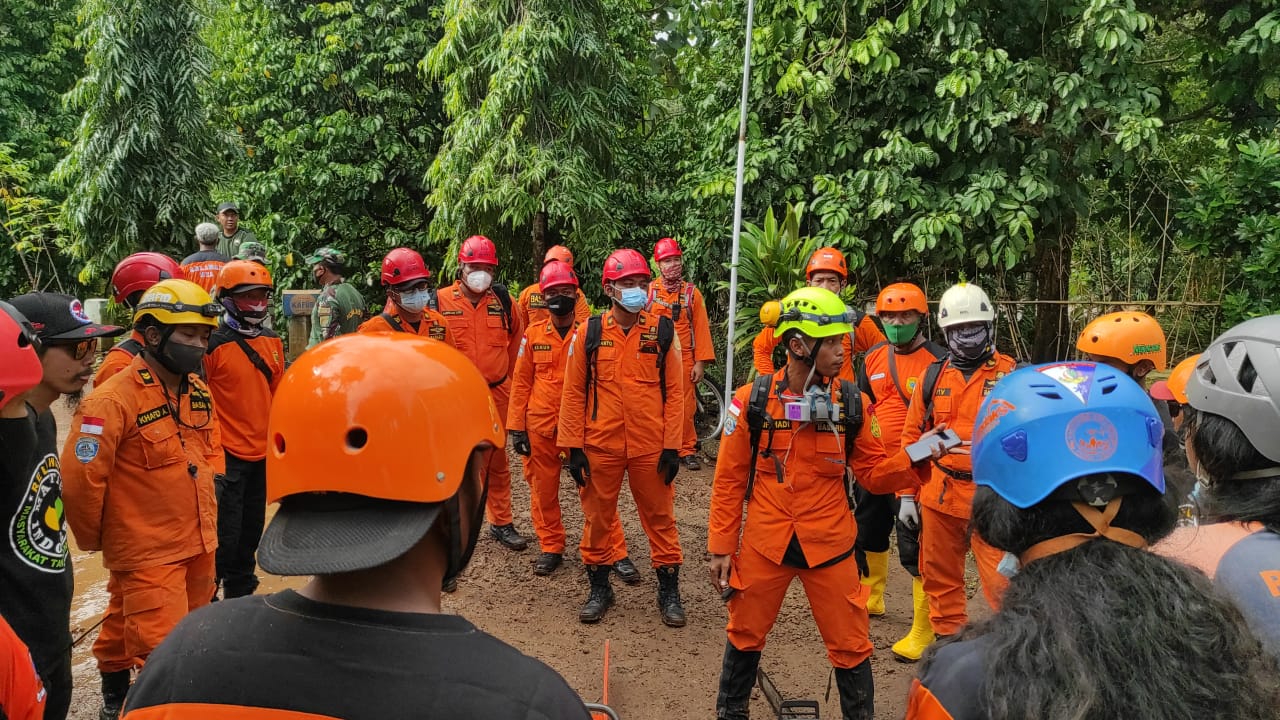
(965,303)
(178,302)
(815,312)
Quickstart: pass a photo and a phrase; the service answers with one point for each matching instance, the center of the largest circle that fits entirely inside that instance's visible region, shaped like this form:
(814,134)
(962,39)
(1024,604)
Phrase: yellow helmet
(815,312)
(178,302)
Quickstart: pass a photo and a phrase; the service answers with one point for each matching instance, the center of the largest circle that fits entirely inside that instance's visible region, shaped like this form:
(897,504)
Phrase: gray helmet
(1216,387)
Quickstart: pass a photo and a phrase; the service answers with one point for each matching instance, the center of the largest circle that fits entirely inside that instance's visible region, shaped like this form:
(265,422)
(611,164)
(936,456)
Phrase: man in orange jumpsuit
(682,302)
(626,416)
(243,367)
(798,522)
(407,282)
(532,305)
(531,419)
(133,276)
(139,473)
(964,379)
(890,374)
(485,328)
(826,269)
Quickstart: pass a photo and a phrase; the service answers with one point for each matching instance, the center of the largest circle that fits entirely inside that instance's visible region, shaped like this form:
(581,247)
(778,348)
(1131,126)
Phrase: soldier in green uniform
(233,236)
(252,250)
(340,308)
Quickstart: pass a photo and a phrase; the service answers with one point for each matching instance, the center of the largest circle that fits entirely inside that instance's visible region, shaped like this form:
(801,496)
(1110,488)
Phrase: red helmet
(625,263)
(403,265)
(665,248)
(478,249)
(20,368)
(140,271)
(557,273)
(558,252)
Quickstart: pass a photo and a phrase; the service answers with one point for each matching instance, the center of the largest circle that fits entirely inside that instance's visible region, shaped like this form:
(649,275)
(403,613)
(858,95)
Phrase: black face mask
(561,305)
(177,358)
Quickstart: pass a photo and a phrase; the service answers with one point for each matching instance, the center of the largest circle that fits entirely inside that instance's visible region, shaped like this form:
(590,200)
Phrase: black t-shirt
(35,562)
(280,654)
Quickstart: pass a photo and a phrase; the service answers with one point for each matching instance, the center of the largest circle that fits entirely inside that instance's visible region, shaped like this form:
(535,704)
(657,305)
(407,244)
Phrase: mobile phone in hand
(922,449)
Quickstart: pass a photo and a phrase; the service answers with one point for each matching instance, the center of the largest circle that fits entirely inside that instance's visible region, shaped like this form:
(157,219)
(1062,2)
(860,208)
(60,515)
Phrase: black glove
(669,465)
(520,442)
(579,468)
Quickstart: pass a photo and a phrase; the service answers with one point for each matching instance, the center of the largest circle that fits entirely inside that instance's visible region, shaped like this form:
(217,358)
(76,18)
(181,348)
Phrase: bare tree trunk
(539,240)
(1053,338)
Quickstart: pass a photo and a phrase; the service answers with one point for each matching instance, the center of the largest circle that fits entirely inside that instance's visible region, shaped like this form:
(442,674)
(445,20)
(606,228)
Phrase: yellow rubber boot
(878,567)
(911,647)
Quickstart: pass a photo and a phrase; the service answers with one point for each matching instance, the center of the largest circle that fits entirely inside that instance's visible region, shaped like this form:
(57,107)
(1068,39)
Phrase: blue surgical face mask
(632,299)
(415,301)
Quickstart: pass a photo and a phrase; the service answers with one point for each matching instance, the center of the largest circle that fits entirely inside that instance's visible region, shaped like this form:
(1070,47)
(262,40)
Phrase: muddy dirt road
(657,673)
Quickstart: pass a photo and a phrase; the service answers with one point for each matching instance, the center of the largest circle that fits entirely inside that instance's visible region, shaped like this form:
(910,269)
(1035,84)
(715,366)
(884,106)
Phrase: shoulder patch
(146,377)
(86,449)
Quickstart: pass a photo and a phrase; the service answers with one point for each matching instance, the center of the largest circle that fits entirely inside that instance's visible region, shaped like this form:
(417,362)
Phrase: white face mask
(415,302)
(479,280)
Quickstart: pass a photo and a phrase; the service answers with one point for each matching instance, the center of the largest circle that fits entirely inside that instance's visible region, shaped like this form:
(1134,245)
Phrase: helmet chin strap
(1101,522)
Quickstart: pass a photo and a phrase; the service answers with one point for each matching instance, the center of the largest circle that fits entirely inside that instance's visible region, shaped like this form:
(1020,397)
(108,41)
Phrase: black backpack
(759,420)
(595,325)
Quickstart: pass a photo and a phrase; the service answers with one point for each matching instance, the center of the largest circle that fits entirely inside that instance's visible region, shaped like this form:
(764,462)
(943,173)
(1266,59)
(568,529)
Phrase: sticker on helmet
(992,413)
(1092,437)
(1076,377)
(1146,349)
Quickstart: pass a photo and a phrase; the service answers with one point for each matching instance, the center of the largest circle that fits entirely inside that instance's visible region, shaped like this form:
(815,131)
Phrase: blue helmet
(1044,426)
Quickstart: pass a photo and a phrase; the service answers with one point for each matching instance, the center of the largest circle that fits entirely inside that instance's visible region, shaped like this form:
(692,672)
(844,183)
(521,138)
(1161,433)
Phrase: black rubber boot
(857,692)
(737,677)
(115,685)
(627,571)
(669,596)
(601,597)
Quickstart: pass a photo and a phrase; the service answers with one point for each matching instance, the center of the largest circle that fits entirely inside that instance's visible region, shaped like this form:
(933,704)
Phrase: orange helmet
(902,296)
(558,252)
(239,275)
(1126,336)
(827,259)
(1178,378)
(338,448)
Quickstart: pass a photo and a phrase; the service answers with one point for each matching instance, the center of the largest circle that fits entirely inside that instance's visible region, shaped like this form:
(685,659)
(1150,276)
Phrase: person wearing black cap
(35,565)
(380,530)
(233,236)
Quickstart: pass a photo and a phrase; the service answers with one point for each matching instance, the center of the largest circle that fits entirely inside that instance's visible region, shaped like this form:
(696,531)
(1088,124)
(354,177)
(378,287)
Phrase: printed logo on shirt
(451,313)
(86,449)
(37,533)
(542,347)
(436,332)
(536,300)
(200,400)
(153,415)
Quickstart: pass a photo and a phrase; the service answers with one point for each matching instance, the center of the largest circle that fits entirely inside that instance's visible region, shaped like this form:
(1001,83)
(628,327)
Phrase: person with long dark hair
(1232,433)
(1067,458)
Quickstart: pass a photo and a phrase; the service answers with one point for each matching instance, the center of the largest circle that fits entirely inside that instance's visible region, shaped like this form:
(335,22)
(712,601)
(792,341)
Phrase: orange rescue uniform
(241,392)
(490,339)
(694,330)
(431,325)
(623,425)
(535,405)
(22,695)
(946,499)
(865,336)
(806,509)
(140,488)
(532,307)
(118,357)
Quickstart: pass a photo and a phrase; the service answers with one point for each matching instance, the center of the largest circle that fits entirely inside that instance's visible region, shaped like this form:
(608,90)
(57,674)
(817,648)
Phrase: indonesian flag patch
(91,425)
(735,407)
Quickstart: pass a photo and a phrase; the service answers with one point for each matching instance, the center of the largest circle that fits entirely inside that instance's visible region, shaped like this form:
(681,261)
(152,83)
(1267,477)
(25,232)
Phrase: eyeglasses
(79,350)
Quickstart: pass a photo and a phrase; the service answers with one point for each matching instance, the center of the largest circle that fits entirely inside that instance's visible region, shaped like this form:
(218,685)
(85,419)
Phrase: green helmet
(328,256)
(815,312)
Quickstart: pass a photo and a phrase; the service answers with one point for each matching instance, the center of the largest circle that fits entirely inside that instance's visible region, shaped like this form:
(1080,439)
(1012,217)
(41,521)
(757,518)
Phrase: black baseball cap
(228,206)
(59,318)
(329,533)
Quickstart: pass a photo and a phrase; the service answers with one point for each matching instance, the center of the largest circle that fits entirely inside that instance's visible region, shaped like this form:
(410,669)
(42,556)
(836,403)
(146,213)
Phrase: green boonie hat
(252,251)
(327,255)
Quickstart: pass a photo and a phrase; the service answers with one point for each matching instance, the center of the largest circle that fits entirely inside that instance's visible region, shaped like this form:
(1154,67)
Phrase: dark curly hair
(1105,630)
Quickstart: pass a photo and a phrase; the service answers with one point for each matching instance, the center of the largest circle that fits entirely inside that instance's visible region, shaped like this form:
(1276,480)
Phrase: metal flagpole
(737,204)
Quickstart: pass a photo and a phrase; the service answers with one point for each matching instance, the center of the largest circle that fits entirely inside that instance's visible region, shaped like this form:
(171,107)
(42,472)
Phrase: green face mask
(900,334)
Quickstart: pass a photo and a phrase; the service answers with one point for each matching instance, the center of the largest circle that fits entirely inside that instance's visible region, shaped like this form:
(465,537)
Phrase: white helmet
(965,303)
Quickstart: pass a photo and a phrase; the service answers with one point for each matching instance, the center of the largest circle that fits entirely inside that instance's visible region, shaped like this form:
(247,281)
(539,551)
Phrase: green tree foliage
(38,63)
(539,97)
(336,125)
(144,154)
(27,225)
